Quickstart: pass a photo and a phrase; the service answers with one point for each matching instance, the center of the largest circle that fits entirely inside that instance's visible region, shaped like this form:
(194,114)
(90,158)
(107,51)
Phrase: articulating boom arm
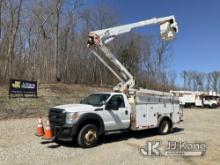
(98,40)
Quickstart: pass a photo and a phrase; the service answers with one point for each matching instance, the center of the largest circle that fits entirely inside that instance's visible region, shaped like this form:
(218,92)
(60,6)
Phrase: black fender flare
(91,118)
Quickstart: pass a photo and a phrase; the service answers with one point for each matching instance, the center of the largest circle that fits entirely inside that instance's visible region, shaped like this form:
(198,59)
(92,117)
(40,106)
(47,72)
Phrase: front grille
(57,117)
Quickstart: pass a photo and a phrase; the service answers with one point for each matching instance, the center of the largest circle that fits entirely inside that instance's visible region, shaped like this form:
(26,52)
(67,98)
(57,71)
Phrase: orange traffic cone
(48,133)
(40,128)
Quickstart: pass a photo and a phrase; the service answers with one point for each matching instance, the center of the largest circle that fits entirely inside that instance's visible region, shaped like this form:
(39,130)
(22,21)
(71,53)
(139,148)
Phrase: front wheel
(88,136)
(164,127)
(213,106)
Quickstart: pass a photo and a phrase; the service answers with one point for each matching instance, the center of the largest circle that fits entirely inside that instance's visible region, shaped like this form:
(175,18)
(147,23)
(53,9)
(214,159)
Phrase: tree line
(45,40)
(200,81)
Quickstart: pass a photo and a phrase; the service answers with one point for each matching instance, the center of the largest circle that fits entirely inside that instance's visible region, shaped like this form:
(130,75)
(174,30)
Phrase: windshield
(95,99)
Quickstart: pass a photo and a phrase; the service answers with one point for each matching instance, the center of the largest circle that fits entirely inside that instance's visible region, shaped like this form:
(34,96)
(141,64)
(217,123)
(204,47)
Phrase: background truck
(127,108)
(197,98)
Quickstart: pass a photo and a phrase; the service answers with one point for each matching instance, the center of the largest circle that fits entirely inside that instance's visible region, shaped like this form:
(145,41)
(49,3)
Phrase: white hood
(77,107)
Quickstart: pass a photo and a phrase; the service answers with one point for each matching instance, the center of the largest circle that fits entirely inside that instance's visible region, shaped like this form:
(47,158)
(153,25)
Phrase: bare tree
(215,81)
(194,80)
(46,41)
(15,12)
(57,57)
(99,17)
(1,1)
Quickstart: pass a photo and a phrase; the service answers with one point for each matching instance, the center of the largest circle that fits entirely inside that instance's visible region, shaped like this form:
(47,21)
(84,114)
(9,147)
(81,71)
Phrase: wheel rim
(90,136)
(165,127)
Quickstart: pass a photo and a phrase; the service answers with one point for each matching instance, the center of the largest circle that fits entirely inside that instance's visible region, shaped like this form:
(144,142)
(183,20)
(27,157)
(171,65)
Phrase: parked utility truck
(127,108)
(197,98)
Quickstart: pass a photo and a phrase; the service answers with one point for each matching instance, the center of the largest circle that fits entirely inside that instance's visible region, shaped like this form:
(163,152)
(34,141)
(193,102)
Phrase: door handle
(126,112)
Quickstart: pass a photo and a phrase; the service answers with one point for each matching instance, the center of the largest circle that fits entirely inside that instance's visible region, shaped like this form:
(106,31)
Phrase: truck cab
(103,112)
(210,101)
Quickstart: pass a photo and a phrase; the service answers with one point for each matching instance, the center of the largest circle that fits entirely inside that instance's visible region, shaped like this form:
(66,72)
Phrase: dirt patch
(49,95)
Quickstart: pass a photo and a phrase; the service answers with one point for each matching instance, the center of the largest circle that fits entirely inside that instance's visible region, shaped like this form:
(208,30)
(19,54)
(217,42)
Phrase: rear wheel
(164,127)
(88,136)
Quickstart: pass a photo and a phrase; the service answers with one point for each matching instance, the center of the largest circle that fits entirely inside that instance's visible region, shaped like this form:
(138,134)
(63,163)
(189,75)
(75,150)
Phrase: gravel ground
(18,145)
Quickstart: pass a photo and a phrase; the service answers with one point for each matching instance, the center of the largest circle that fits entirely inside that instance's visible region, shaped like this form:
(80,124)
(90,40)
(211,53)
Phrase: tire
(88,136)
(213,106)
(165,127)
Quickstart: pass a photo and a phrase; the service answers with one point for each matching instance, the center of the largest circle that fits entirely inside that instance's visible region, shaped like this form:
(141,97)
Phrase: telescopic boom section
(98,40)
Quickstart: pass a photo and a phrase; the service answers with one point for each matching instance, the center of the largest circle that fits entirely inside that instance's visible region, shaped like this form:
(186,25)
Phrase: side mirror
(81,101)
(103,102)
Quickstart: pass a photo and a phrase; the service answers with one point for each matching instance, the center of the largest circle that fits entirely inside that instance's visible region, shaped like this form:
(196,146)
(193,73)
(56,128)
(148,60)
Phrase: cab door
(116,113)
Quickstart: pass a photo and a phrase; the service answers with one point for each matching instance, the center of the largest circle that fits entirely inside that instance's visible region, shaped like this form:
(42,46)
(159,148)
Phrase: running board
(115,132)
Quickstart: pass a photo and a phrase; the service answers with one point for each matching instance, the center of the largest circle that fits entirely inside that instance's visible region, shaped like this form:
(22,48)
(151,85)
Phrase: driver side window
(117,100)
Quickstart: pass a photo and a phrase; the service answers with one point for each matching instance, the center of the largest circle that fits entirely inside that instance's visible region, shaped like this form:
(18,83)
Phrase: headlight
(71,116)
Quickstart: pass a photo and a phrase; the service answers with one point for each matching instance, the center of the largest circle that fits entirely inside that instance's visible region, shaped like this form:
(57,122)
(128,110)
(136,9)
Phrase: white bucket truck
(124,109)
(197,98)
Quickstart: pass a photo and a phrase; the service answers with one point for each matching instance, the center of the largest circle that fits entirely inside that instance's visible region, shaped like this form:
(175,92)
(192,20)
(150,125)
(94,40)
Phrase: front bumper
(65,132)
